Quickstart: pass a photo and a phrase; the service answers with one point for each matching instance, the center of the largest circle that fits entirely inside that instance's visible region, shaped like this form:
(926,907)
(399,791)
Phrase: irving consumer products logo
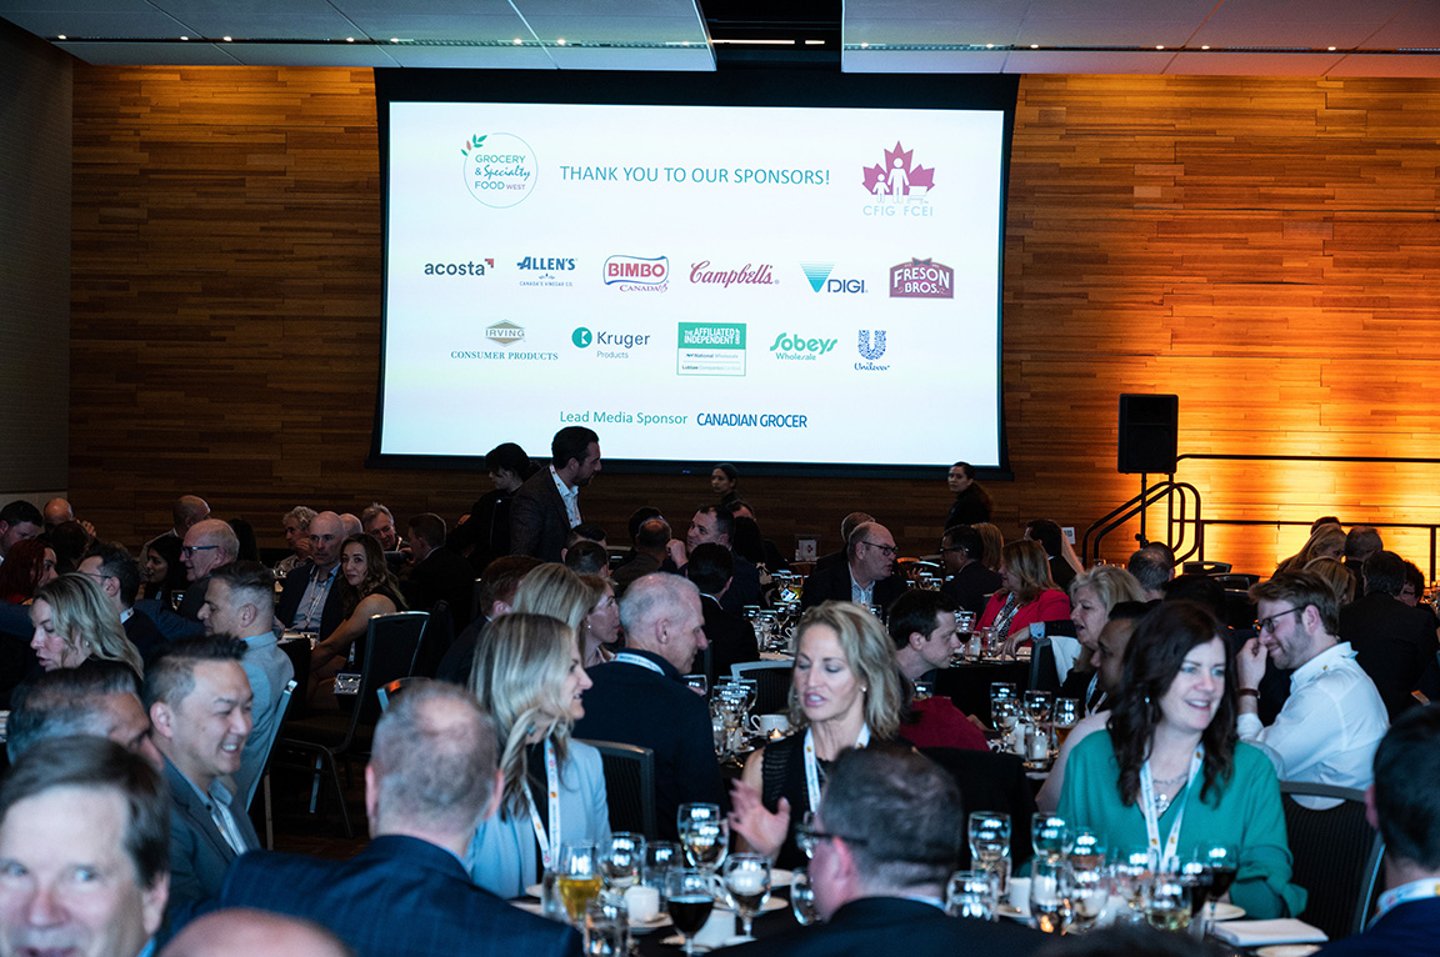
(638,273)
(505,333)
(818,275)
(922,279)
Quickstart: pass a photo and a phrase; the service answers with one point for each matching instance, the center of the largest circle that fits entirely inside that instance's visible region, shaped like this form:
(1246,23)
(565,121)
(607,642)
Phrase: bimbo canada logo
(922,279)
(638,273)
(500,168)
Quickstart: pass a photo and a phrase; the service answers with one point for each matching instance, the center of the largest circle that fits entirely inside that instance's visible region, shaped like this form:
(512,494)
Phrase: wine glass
(1051,836)
(1221,860)
(989,833)
(1087,847)
(1091,890)
(747,881)
(689,901)
(623,859)
(1129,872)
(1167,905)
(1052,889)
(1001,691)
(578,878)
(972,894)
(704,834)
(802,898)
(1038,705)
(660,858)
(805,835)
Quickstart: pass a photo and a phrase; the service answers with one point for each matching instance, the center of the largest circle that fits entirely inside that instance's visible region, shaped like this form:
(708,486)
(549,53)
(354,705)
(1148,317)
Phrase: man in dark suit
(431,779)
(1393,642)
(648,555)
(640,697)
(848,524)
(199,701)
(547,506)
(1406,811)
(498,585)
(866,576)
(971,583)
(438,573)
(1048,534)
(731,638)
(313,597)
(715,525)
(888,834)
(112,567)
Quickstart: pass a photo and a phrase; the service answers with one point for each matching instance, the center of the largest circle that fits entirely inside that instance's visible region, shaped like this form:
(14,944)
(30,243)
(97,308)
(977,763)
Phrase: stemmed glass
(972,894)
(747,881)
(802,898)
(1038,705)
(1221,860)
(623,859)
(989,833)
(578,878)
(1129,872)
(805,835)
(1001,691)
(689,900)
(1051,836)
(1168,904)
(1052,890)
(704,835)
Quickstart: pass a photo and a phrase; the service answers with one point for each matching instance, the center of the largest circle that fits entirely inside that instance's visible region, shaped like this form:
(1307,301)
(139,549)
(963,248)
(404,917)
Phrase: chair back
(282,711)
(1044,675)
(772,679)
(992,781)
(386,693)
(390,649)
(1337,856)
(629,786)
(439,635)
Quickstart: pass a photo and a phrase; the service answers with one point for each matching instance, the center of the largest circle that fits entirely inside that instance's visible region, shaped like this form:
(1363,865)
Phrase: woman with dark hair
(972,502)
(163,573)
(30,564)
(724,482)
(1168,773)
(485,533)
(1028,595)
(370,589)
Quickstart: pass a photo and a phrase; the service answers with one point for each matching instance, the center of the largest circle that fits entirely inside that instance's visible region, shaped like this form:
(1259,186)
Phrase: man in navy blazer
(432,777)
(1406,811)
(867,575)
(888,835)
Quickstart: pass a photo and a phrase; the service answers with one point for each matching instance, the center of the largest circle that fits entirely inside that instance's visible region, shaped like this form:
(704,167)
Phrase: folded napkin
(1066,650)
(1257,933)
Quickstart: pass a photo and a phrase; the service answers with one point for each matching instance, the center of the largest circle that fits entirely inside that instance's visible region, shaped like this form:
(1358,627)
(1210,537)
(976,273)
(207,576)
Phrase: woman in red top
(1027,596)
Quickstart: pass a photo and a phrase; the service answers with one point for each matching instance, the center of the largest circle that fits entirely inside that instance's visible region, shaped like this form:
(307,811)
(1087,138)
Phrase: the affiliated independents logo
(500,169)
(711,348)
(818,275)
(898,185)
(469,268)
(638,273)
(546,271)
(870,343)
(793,348)
(922,279)
(611,345)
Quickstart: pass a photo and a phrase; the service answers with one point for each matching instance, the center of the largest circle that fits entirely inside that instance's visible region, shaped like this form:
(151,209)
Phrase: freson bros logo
(818,275)
(922,279)
(637,273)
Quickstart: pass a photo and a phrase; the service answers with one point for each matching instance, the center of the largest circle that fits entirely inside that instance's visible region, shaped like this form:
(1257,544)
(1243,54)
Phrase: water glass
(1038,705)
(607,929)
(989,836)
(802,898)
(704,834)
(623,859)
(1167,902)
(1091,896)
(1052,888)
(747,881)
(660,858)
(1051,835)
(973,894)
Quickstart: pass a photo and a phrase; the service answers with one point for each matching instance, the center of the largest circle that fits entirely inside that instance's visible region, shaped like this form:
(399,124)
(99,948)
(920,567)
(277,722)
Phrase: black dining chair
(772,680)
(992,781)
(629,786)
(1337,856)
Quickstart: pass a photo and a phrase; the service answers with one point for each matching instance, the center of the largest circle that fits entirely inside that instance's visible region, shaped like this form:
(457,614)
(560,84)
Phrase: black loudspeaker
(1148,428)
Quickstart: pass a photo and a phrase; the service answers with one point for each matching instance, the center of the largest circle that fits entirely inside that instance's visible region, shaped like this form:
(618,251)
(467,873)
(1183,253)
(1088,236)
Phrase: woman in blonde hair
(845,692)
(527,675)
(1028,596)
(74,620)
(994,542)
(1333,573)
(1327,541)
(554,590)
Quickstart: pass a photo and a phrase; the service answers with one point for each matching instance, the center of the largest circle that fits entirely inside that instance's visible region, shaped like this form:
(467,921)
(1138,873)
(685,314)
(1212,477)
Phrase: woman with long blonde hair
(74,620)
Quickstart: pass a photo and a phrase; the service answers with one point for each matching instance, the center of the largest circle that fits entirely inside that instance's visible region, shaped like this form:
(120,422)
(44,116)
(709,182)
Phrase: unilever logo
(871,346)
(818,275)
(500,169)
(899,175)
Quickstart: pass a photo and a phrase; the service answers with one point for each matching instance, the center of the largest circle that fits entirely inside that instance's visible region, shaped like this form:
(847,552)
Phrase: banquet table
(968,684)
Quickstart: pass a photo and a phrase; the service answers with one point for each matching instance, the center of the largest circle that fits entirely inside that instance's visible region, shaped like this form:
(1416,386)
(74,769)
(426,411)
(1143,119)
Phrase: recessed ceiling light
(1331,49)
(989,46)
(1205,46)
(559,41)
(1159,46)
(184,38)
(63,37)
(349,39)
(1034,46)
(518,42)
(864,46)
(814,43)
(227,39)
(394,39)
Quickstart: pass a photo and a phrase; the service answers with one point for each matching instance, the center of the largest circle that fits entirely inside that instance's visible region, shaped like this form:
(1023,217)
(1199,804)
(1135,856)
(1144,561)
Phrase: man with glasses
(887,837)
(1334,718)
(867,577)
(208,544)
(115,570)
(971,583)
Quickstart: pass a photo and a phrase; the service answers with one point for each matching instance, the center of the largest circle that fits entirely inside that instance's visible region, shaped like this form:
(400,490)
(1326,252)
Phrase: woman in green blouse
(1169,773)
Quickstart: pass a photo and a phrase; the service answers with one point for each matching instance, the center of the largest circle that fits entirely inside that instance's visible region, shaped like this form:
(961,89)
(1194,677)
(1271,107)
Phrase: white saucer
(1227,911)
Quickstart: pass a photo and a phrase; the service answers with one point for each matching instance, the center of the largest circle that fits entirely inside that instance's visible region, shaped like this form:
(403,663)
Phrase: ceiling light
(756,43)
(518,42)
(814,43)
(1160,46)
(1331,49)
(227,39)
(394,39)
(1205,46)
(184,38)
(349,39)
(1034,46)
(559,41)
(62,37)
(989,46)
(864,46)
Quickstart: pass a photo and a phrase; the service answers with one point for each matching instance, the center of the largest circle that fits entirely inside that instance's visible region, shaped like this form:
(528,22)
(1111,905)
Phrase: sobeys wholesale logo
(792,348)
(500,169)
(922,279)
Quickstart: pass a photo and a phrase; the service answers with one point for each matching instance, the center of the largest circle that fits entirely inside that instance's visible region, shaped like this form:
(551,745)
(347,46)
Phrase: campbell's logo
(547,264)
(818,275)
(922,279)
(749,274)
(638,273)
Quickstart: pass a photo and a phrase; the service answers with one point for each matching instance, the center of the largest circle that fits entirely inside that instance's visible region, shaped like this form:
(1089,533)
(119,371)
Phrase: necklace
(1163,799)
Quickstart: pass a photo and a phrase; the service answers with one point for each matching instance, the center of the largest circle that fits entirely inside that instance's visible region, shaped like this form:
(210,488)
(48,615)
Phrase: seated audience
(749,542)
(889,832)
(640,697)
(313,597)
(922,629)
(1092,594)
(1414,588)
(379,523)
(866,576)
(437,572)
(164,574)
(1169,752)
(1152,565)
(845,691)
(82,841)
(1326,541)
(240,603)
(1393,642)
(238,932)
(848,524)
(30,564)
(600,635)
(70,540)
(74,621)
(529,679)
(1027,596)
(185,513)
(100,698)
(712,525)
(296,524)
(498,584)
(1332,572)
(1361,542)
(369,589)
(118,575)
(651,538)
(208,545)
(731,637)
(1333,719)
(994,543)
(199,702)
(972,503)
(431,779)
(971,582)
(588,558)
(1406,812)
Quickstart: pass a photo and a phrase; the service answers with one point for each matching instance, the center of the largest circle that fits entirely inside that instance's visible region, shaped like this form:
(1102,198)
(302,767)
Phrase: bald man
(313,595)
(240,932)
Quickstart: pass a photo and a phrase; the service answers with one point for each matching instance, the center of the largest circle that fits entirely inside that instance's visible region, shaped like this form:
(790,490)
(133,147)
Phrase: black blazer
(971,587)
(294,589)
(442,574)
(894,925)
(732,640)
(1393,642)
(539,524)
(832,583)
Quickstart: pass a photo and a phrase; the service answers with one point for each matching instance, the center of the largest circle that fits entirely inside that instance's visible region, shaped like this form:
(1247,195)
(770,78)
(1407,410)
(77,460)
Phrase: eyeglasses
(889,551)
(808,832)
(190,550)
(1263,625)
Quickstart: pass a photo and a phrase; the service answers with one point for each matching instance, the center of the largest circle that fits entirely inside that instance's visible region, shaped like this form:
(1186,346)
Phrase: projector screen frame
(757,87)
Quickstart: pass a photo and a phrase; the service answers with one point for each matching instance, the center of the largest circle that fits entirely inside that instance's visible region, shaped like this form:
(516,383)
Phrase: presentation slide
(754,284)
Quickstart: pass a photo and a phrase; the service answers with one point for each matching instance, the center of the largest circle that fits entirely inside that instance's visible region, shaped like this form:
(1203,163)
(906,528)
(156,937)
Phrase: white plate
(1227,911)
(1288,950)
(780,877)
(529,907)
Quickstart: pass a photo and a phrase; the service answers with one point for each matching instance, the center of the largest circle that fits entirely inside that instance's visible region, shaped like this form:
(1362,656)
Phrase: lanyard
(1152,819)
(1405,893)
(812,767)
(549,845)
(630,658)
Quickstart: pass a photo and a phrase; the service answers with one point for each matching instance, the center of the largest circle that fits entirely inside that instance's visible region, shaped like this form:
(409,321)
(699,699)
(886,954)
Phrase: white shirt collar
(1321,663)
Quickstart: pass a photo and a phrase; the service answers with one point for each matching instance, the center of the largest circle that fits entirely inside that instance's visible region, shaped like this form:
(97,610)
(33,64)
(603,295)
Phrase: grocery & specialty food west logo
(500,168)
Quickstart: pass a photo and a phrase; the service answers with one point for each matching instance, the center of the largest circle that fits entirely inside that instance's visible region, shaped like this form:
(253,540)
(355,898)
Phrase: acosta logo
(552,265)
(819,276)
(792,347)
(459,269)
(636,271)
(746,275)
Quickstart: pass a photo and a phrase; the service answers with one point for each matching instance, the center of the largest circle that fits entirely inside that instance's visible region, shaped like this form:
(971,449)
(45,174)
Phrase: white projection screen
(796,272)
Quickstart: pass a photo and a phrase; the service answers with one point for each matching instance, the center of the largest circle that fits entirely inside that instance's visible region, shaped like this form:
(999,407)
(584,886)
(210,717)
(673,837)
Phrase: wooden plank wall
(1267,248)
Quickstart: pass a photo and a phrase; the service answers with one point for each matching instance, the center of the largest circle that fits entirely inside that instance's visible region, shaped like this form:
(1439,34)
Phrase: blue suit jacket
(1409,930)
(400,897)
